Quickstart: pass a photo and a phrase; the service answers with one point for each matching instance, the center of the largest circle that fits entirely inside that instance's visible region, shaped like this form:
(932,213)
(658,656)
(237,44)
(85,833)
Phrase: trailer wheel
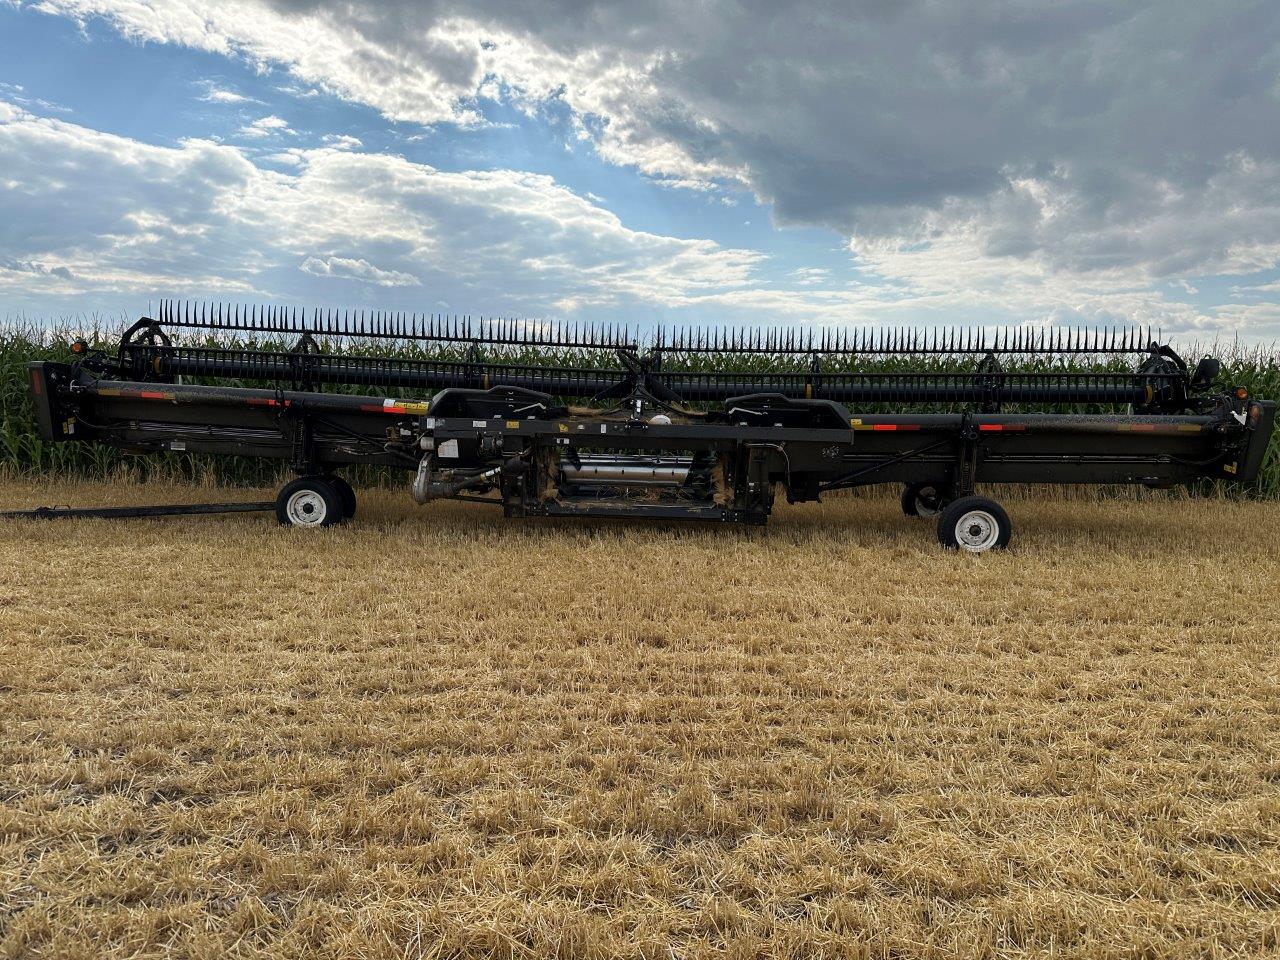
(309,502)
(975,525)
(923,499)
(345,493)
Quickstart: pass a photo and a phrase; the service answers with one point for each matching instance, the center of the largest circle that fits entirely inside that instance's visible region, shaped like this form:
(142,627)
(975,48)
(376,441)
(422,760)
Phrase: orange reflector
(1242,392)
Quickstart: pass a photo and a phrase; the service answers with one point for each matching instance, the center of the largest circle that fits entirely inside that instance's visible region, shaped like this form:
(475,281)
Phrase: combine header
(552,420)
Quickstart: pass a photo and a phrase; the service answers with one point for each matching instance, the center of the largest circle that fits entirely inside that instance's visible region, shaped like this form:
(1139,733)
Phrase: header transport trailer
(549,420)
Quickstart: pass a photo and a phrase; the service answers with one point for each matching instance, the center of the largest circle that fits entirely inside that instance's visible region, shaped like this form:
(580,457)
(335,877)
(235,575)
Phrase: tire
(923,499)
(974,525)
(345,493)
(309,502)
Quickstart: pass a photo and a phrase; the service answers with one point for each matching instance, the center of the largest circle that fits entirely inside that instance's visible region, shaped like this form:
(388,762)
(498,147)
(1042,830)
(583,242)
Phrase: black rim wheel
(346,493)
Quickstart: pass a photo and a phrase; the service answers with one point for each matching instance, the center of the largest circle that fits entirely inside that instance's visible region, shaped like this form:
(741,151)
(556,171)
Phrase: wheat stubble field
(437,733)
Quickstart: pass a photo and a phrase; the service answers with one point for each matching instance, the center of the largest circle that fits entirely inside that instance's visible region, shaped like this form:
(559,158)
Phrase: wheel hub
(977,531)
(306,508)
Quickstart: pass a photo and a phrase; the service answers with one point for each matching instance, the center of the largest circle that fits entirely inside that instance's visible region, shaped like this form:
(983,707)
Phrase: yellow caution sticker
(513,424)
(405,406)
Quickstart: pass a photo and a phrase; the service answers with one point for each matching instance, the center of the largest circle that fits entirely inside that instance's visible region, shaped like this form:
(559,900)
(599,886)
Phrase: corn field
(24,454)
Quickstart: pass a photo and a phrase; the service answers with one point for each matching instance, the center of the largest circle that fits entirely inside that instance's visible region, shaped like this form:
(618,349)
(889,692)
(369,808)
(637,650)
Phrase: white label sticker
(479,423)
(448,449)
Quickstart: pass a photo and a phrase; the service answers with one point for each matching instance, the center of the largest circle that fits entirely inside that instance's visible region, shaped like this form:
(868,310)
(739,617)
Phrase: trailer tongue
(602,425)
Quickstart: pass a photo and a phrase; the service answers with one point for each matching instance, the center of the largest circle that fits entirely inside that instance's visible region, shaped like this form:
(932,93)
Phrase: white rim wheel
(977,531)
(306,508)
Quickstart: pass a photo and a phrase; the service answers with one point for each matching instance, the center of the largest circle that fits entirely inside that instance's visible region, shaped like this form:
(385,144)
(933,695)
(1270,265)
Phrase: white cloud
(1257,289)
(1254,320)
(809,276)
(1080,137)
(346,268)
(290,157)
(214,94)
(123,216)
(341,141)
(266,127)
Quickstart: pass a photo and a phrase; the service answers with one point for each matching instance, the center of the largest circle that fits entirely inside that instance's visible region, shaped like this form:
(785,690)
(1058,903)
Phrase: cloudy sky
(864,162)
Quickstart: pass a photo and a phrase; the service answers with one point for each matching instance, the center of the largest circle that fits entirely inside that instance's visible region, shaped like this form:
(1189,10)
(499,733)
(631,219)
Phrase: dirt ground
(434,732)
